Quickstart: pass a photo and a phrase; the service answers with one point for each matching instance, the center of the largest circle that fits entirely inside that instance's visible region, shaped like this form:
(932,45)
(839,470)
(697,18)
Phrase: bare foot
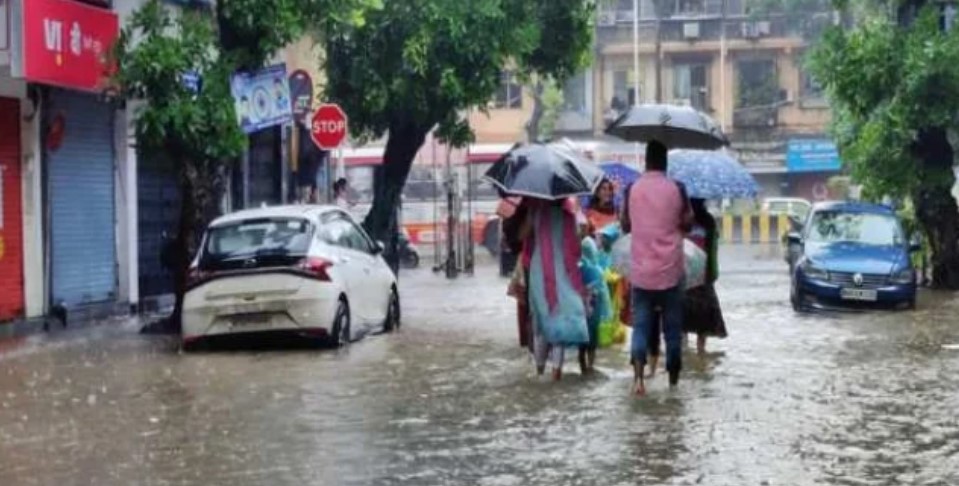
(557,374)
(639,388)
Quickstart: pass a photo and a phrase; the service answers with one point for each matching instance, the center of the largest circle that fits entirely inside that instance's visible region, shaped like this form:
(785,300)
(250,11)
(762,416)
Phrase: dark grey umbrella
(678,127)
(544,171)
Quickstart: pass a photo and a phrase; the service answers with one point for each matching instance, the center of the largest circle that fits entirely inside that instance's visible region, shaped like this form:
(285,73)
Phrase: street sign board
(329,126)
(301,93)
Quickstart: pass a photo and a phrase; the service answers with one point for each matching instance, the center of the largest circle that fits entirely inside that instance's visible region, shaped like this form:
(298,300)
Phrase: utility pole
(723,103)
(636,71)
(636,76)
(658,6)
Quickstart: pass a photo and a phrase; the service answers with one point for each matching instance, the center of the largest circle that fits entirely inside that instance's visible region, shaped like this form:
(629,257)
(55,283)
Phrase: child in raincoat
(599,307)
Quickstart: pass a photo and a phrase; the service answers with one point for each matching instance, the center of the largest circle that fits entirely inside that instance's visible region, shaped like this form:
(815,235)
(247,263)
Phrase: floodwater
(844,399)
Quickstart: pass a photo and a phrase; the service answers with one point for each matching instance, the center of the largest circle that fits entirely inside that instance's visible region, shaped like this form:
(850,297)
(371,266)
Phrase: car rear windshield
(256,243)
(865,228)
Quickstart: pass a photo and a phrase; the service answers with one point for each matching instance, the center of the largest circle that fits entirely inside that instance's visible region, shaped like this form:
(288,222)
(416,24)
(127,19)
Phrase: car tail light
(317,267)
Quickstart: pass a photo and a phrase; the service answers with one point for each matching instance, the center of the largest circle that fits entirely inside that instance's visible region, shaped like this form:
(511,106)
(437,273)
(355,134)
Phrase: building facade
(744,69)
(68,172)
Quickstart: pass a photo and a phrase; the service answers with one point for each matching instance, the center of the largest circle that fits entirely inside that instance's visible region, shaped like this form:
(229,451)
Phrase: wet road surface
(850,399)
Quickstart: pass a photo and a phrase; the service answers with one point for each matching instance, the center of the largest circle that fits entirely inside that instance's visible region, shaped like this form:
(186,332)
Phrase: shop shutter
(81,179)
(11,223)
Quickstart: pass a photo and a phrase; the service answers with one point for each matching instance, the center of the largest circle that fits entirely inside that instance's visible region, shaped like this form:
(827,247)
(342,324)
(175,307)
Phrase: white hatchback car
(307,270)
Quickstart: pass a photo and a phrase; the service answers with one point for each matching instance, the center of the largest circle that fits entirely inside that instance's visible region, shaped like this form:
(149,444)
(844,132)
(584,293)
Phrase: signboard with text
(262,99)
(329,126)
(812,156)
(64,43)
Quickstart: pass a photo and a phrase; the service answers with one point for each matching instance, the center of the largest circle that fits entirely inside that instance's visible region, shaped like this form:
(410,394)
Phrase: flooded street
(851,399)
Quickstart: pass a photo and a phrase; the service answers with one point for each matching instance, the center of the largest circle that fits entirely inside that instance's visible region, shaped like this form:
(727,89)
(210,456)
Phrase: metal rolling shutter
(11,223)
(265,177)
(158,203)
(81,196)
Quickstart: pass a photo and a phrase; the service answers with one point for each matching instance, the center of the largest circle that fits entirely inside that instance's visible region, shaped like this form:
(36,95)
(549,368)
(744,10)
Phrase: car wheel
(341,324)
(393,315)
(796,298)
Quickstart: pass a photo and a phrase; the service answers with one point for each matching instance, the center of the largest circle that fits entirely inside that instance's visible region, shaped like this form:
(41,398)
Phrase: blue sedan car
(851,255)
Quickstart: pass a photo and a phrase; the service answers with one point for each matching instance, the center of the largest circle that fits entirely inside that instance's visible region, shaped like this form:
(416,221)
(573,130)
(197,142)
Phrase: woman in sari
(555,287)
(704,316)
(602,207)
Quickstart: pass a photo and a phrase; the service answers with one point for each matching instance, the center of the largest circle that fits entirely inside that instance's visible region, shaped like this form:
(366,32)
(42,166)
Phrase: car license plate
(865,295)
(250,319)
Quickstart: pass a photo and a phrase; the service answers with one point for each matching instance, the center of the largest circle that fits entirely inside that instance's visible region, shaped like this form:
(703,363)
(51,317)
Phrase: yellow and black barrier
(754,229)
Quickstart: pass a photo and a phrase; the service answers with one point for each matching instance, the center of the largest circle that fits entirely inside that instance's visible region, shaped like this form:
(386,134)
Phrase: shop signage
(301,91)
(64,43)
(812,156)
(262,98)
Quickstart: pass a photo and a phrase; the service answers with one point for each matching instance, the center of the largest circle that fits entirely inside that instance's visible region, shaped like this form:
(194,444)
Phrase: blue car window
(865,228)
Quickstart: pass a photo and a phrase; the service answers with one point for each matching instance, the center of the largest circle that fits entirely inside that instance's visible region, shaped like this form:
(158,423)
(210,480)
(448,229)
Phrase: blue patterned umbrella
(711,174)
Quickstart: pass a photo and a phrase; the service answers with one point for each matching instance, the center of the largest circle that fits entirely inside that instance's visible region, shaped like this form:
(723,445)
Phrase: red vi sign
(64,43)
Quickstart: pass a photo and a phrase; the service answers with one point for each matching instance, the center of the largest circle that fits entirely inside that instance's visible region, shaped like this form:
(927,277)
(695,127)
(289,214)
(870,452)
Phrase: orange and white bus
(425,196)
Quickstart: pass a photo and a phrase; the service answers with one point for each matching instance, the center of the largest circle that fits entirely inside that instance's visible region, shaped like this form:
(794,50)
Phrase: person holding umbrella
(548,177)
(659,217)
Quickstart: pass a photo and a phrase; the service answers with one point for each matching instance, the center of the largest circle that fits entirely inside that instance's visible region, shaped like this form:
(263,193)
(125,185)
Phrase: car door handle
(343,260)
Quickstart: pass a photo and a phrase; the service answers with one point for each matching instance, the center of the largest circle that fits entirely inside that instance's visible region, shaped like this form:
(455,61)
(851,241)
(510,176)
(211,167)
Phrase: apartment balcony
(763,117)
(709,28)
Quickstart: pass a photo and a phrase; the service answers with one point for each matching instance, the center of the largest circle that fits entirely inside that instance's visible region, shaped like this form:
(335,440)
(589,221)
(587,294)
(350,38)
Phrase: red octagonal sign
(328,128)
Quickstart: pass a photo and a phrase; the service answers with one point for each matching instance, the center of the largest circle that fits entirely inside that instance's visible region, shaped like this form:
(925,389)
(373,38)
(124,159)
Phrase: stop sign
(328,127)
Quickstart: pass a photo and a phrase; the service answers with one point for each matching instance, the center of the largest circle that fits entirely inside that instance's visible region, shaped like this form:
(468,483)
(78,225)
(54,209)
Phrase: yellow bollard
(728,228)
(764,228)
(747,229)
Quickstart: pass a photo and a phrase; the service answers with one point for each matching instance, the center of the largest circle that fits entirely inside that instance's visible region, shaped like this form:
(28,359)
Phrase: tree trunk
(936,209)
(532,126)
(201,186)
(405,140)
(181,245)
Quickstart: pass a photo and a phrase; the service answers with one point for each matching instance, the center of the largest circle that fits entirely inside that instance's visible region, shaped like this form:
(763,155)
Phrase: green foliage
(884,83)
(552,99)
(154,49)
(160,43)
(423,62)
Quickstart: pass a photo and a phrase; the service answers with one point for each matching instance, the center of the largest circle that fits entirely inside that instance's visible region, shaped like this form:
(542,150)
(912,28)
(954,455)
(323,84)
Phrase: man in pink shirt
(659,216)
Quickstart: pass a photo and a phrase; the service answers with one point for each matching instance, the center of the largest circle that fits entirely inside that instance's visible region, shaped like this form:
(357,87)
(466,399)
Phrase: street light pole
(722,69)
(636,76)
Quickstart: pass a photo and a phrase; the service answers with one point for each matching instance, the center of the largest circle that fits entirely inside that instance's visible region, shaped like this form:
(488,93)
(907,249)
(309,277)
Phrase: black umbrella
(544,171)
(678,127)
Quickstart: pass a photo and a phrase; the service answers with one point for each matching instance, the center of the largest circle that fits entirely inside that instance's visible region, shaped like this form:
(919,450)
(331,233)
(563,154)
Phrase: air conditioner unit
(691,30)
(606,18)
(763,28)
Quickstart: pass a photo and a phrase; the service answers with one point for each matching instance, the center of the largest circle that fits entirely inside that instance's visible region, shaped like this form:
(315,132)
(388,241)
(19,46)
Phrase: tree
(416,65)
(547,102)
(197,130)
(894,90)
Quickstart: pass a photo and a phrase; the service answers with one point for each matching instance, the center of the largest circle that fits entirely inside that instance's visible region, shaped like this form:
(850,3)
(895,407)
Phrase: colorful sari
(555,285)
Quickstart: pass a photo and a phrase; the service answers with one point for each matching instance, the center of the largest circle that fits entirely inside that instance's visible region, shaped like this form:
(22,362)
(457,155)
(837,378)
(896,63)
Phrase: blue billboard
(262,98)
(812,156)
